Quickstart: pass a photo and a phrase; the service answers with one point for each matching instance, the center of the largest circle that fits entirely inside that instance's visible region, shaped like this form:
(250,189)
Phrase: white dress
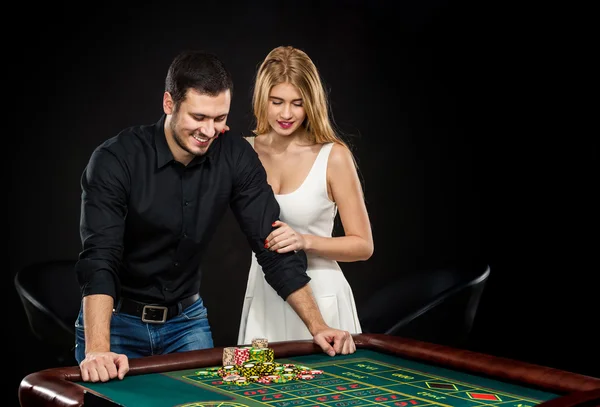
(308,210)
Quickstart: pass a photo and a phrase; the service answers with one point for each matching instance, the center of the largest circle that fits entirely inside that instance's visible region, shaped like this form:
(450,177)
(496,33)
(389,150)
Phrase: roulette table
(384,371)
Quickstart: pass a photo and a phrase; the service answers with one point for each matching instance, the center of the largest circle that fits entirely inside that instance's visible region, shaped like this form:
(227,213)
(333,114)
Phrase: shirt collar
(163,153)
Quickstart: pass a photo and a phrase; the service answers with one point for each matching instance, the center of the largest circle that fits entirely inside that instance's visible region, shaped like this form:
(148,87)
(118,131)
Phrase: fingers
(343,343)
(279,236)
(284,239)
(95,372)
(85,375)
(339,339)
(222,131)
(93,375)
(284,246)
(277,232)
(324,344)
(349,346)
(111,370)
(286,249)
(123,364)
(104,367)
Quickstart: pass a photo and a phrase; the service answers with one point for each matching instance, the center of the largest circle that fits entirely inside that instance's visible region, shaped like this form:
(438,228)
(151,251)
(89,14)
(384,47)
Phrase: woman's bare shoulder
(340,155)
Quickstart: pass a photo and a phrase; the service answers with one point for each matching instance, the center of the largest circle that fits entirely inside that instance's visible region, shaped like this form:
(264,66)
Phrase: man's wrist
(97,350)
(97,347)
(316,328)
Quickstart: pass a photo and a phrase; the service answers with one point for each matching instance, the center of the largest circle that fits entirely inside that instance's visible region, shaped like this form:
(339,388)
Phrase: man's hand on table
(103,366)
(342,341)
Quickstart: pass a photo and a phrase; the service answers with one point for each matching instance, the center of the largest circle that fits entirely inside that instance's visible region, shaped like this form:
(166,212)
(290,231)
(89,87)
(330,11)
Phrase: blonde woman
(313,175)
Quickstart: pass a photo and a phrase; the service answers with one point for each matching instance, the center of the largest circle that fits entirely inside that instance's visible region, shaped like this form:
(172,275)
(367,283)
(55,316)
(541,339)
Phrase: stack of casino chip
(249,369)
(260,343)
(236,355)
(229,356)
(255,364)
(308,373)
(260,372)
(261,355)
(210,372)
(241,355)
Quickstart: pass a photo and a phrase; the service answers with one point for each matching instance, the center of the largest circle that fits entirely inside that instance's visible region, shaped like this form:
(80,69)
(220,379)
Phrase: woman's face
(285,112)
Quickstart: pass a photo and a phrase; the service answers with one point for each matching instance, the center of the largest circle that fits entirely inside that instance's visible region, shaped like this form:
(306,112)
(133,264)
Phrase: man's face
(196,123)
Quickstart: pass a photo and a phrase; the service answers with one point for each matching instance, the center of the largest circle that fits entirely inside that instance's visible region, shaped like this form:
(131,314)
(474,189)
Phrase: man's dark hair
(202,71)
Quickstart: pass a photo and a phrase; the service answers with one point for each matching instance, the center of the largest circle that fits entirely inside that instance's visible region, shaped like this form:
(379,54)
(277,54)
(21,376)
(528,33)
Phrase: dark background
(438,102)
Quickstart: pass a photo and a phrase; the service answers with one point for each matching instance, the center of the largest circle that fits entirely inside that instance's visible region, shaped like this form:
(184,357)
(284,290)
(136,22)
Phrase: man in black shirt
(152,198)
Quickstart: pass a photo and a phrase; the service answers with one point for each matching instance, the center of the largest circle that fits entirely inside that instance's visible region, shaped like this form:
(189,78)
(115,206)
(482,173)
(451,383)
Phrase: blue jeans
(189,330)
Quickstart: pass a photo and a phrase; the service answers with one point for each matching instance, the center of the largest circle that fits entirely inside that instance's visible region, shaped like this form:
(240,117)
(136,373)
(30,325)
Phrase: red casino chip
(241,355)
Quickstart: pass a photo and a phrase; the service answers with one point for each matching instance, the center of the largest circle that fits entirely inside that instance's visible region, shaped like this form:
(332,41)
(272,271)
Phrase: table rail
(57,386)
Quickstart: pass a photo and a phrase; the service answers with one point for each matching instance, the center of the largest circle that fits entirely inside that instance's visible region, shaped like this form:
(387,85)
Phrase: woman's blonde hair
(286,64)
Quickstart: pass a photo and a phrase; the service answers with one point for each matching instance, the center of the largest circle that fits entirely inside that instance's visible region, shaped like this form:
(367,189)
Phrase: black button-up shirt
(147,219)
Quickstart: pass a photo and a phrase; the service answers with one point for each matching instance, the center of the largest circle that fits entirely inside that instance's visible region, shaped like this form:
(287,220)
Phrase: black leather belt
(155,313)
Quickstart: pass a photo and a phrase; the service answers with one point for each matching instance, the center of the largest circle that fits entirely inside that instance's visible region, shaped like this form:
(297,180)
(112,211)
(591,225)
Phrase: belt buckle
(148,310)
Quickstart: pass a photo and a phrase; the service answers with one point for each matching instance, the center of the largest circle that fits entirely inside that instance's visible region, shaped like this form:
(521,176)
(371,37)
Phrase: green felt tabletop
(365,378)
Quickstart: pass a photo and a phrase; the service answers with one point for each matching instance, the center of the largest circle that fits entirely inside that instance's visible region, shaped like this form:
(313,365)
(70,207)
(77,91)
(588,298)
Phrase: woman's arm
(345,189)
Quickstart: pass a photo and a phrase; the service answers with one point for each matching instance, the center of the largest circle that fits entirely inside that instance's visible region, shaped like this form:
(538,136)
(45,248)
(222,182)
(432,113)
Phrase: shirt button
(185,235)
(166,289)
(176,264)
(186,203)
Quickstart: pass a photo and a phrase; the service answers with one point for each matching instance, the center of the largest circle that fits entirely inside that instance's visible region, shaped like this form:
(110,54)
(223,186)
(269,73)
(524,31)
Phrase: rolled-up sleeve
(103,209)
(255,208)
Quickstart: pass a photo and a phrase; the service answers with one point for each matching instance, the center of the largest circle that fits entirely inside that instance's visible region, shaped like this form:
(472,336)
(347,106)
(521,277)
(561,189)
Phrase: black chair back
(437,306)
(50,295)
